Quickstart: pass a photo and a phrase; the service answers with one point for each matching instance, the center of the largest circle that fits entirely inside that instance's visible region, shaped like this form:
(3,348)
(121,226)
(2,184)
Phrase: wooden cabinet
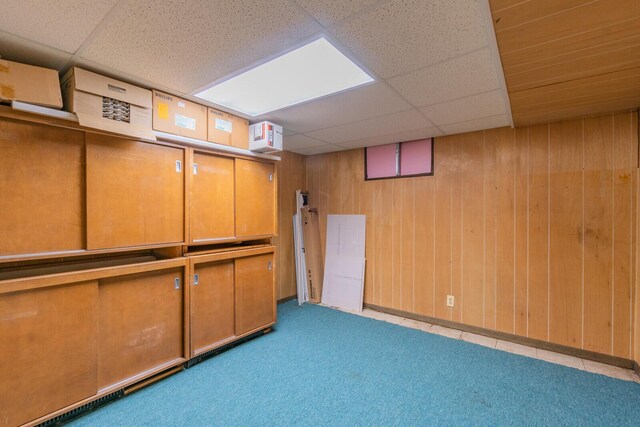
(255,292)
(232,294)
(135,193)
(212,305)
(42,184)
(141,325)
(49,350)
(76,335)
(212,198)
(255,198)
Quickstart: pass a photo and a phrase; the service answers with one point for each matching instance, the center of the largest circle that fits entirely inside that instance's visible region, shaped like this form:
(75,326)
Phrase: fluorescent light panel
(314,70)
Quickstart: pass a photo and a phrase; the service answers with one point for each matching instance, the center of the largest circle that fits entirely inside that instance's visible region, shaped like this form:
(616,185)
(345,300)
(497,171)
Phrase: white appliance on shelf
(265,137)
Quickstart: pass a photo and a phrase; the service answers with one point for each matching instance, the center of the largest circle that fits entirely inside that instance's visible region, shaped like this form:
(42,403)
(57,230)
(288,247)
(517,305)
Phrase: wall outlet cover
(450,300)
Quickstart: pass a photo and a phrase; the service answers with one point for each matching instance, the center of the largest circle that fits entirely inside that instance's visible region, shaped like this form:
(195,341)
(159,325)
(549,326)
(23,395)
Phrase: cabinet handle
(269,266)
(195,169)
(178,166)
(270,177)
(176,283)
(196,279)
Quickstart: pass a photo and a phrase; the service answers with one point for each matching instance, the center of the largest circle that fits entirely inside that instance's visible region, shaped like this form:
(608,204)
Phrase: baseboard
(636,367)
(285,299)
(544,345)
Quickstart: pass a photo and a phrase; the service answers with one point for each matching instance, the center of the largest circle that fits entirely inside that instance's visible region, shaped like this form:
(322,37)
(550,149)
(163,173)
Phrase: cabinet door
(41,188)
(255,296)
(212,192)
(135,193)
(49,350)
(141,324)
(255,198)
(212,314)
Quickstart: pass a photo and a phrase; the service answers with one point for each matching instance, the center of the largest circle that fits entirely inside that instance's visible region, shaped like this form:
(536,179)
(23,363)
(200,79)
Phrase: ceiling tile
(393,137)
(469,108)
(464,76)
(188,44)
(403,35)
(365,102)
(299,141)
(14,48)
(477,124)
(327,148)
(393,123)
(329,12)
(61,24)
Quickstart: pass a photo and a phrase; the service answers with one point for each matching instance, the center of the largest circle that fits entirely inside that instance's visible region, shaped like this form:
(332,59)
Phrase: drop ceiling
(436,64)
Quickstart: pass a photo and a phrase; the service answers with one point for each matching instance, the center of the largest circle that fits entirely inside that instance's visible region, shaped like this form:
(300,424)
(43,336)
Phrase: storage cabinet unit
(232,295)
(255,198)
(75,335)
(212,198)
(42,184)
(103,313)
(135,193)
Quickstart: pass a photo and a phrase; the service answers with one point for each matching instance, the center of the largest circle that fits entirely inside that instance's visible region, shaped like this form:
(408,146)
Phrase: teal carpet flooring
(324,367)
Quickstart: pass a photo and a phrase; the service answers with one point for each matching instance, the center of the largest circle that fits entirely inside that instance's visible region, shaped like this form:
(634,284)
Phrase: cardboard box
(312,253)
(26,83)
(265,137)
(227,129)
(108,104)
(179,116)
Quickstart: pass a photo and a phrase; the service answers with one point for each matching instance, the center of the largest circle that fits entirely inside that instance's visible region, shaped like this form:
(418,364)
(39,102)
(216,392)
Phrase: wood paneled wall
(291,177)
(533,230)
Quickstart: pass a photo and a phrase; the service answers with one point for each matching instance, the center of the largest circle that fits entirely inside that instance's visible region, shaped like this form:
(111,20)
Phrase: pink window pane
(381,161)
(415,157)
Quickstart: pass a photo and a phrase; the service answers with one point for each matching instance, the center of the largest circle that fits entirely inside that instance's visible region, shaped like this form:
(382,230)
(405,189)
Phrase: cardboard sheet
(343,283)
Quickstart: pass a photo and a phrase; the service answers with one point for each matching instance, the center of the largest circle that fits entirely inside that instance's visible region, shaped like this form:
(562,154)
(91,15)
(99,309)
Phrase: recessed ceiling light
(309,72)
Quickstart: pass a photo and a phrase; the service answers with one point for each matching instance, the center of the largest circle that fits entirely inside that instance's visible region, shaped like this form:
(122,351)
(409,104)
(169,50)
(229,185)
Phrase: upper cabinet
(135,193)
(255,198)
(212,196)
(42,186)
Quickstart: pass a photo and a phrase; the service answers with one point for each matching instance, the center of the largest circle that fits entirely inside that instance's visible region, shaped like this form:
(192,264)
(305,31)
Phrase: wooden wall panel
(566,231)
(291,177)
(538,236)
(531,229)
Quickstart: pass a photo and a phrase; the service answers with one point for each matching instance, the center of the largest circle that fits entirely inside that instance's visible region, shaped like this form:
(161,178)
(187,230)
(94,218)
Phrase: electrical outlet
(451,300)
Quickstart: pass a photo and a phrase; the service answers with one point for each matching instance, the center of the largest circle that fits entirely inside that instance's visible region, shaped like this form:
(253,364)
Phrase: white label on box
(181,104)
(224,125)
(185,122)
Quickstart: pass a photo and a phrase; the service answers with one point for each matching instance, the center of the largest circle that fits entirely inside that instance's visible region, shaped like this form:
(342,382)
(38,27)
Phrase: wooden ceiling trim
(532,11)
(567,24)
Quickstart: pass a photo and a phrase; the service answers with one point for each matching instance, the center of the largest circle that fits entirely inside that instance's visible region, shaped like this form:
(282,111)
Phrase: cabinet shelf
(162,136)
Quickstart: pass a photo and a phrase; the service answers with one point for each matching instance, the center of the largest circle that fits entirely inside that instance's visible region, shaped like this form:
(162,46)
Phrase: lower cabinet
(49,348)
(232,295)
(73,336)
(140,324)
(70,336)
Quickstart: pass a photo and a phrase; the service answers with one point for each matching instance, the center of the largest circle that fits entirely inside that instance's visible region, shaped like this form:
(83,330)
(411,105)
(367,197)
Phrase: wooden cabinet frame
(196,260)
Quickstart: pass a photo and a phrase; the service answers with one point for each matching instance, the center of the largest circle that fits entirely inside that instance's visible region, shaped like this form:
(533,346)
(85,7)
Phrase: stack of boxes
(107,104)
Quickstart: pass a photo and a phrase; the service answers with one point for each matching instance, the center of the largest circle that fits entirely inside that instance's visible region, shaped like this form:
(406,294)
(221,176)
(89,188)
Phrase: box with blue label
(227,129)
(179,116)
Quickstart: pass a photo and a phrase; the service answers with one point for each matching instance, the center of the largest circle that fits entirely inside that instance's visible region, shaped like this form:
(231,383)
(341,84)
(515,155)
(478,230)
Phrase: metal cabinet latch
(178,166)
(196,279)
(176,283)
(270,177)
(195,169)
(269,266)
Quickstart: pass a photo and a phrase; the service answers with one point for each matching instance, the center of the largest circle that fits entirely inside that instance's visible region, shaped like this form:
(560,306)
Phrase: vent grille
(113,109)
(67,416)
